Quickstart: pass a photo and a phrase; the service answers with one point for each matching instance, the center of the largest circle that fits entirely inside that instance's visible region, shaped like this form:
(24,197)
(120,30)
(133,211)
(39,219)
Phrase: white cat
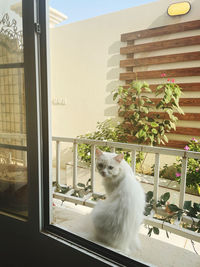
(117,219)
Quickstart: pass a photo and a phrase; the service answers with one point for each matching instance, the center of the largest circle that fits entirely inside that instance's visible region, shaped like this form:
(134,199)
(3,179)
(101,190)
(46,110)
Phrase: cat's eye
(110,167)
(100,165)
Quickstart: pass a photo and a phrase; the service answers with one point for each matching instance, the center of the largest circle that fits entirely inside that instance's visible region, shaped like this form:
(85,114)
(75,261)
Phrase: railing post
(92,167)
(183,182)
(133,160)
(113,149)
(75,161)
(156,176)
(58,162)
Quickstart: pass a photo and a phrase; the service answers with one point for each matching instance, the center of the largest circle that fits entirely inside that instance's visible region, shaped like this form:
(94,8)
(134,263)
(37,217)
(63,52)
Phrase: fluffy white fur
(117,219)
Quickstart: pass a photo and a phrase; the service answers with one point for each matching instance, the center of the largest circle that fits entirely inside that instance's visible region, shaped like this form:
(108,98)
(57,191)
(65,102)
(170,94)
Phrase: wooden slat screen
(169,29)
(160,45)
(192,56)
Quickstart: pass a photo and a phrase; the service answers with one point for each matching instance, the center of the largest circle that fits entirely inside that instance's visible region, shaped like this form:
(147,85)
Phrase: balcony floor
(157,251)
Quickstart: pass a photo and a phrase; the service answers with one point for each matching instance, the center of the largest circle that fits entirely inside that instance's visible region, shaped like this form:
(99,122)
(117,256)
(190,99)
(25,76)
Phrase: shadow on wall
(113,77)
(66,155)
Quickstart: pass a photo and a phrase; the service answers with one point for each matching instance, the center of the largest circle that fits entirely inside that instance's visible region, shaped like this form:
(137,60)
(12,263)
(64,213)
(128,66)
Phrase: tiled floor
(160,251)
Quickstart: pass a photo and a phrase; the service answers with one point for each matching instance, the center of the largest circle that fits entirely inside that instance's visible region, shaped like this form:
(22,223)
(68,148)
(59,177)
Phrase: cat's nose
(103,173)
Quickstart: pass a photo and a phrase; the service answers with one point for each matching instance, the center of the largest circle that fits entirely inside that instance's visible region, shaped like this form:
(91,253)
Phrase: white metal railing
(133,148)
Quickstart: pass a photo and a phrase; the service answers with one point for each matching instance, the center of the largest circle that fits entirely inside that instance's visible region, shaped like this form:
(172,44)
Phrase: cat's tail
(85,227)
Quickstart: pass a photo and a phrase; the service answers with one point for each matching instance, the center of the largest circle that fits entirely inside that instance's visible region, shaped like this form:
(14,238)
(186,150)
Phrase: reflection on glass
(11,36)
(12,107)
(13,181)
(13,159)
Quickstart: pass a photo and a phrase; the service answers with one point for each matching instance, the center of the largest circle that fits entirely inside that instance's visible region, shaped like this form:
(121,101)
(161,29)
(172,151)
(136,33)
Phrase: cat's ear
(119,157)
(98,152)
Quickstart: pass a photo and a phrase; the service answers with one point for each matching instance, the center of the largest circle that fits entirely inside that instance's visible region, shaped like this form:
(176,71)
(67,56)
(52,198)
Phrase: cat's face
(108,164)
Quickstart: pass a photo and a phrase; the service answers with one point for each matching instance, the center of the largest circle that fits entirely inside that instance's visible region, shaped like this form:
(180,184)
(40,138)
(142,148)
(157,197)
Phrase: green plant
(193,166)
(173,212)
(61,189)
(82,189)
(141,126)
(108,130)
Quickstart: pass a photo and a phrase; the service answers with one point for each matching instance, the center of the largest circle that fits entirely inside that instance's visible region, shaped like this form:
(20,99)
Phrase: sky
(77,10)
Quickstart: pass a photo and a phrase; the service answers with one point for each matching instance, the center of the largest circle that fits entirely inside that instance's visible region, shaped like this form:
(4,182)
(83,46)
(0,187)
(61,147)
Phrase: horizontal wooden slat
(168,29)
(186,87)
(179,130)
(164,115)
(187,131)
(171,73)
(182,117)
(176,144)
(160,45)
(171,143)
(185,102)
(160,59)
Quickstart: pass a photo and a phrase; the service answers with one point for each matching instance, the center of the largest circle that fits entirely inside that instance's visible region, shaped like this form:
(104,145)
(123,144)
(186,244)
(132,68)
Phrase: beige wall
(85,64)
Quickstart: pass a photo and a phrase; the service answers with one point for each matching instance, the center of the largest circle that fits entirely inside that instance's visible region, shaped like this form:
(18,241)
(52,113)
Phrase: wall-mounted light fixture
(178,9)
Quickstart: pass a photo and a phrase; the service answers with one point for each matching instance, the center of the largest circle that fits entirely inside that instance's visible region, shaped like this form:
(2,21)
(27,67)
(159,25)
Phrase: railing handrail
(139,148)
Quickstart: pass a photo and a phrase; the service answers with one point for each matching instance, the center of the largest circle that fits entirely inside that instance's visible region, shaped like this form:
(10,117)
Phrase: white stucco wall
(85,64)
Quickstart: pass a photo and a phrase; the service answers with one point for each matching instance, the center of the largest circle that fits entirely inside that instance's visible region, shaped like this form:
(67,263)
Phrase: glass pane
(13,156)
(12,107)
(13,181)
(11,36)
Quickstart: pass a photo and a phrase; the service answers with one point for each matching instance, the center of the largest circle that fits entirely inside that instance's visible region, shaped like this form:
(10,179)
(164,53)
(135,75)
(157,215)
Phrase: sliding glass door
(13,149)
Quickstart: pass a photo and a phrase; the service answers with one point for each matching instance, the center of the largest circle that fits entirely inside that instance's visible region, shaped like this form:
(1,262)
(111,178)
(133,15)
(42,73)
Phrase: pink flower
(195,140)
(163,75)
(197,169)
(168,80)
(172,80)
(178,174)
(187,148)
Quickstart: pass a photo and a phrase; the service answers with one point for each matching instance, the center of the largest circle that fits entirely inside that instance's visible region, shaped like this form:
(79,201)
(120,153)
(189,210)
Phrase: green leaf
(81,193)
(165,197)
(173,207)
(141,133)
(148,210)
(154,131)
(81,185)
(88,181)
(145,110)
(141,102)
(149,196)
(132,107)
(89,187)
(187,205)
(179,214)
(115,96)
(196,207)
(165,138)
(173,125)
(147,89)
(150,231)
(154,124)
(167,234)
(156,231)
(159,87)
